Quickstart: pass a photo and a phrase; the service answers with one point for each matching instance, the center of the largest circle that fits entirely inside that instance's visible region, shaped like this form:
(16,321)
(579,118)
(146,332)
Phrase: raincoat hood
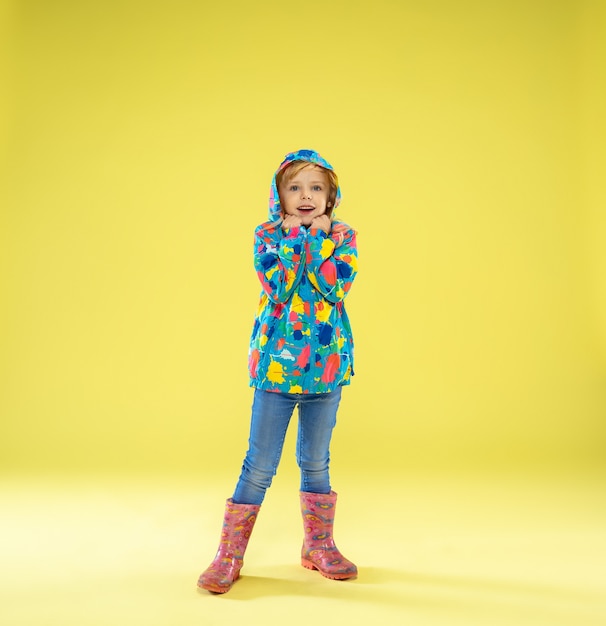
(300,155)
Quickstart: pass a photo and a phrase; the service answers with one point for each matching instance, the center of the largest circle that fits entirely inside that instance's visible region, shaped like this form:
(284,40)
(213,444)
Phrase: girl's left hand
(322,223)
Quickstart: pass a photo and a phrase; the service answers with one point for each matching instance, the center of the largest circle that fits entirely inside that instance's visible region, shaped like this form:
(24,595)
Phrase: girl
(301,353)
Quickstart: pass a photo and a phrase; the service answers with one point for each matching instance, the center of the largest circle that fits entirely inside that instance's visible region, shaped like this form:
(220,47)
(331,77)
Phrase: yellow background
(138,140)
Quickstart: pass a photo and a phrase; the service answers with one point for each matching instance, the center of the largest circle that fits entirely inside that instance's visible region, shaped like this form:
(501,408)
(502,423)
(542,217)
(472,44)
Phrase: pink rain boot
(238,523)
(319,550)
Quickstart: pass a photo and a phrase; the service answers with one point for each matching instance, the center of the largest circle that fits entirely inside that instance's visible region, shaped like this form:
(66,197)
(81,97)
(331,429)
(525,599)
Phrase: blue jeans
(271,413)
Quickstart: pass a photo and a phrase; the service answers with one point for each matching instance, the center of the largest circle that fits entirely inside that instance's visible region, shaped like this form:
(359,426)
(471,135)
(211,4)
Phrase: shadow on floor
(510,599)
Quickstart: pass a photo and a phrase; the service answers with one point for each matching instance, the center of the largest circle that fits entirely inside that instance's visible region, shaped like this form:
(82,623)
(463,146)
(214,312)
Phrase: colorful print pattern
(238,523)
(301,340)
(319,550)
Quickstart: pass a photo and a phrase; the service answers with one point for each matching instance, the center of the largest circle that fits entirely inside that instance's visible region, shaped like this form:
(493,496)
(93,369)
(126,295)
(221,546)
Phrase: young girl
(301,353)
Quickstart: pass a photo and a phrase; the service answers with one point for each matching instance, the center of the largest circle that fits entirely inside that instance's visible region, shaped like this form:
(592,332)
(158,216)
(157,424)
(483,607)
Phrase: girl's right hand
(291,221)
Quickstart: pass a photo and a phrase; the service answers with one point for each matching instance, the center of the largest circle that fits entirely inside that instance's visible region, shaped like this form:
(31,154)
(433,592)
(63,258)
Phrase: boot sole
(309,565)
(215,588)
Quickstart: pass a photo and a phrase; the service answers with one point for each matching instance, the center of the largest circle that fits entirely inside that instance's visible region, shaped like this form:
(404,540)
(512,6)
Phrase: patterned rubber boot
(319,550)
(238,522)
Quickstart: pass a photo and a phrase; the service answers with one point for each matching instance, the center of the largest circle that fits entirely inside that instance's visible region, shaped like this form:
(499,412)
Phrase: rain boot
(238,523)
(319,550)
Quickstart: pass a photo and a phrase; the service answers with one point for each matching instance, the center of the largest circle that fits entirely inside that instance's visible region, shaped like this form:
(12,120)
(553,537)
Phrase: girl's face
(306,194)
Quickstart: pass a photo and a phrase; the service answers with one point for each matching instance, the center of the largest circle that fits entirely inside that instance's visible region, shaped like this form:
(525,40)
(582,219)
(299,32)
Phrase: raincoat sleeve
(332,265)
(279,258)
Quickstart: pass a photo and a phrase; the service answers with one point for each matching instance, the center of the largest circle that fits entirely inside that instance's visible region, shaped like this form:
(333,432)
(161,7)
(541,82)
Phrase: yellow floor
(430,551)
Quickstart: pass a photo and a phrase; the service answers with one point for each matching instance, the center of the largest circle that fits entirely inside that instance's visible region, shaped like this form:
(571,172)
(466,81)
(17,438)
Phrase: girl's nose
(306,194)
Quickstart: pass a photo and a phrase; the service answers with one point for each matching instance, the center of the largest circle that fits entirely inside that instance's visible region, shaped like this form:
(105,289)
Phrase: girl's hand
(291,221)
(322,223)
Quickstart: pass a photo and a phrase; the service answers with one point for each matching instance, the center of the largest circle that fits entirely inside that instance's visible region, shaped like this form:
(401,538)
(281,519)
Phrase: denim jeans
(271,413)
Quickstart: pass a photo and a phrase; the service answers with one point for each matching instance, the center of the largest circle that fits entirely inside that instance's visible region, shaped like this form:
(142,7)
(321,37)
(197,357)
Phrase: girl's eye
(317,188)
(294,188)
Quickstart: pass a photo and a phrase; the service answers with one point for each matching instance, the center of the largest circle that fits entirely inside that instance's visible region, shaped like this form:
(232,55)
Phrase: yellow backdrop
(138,144)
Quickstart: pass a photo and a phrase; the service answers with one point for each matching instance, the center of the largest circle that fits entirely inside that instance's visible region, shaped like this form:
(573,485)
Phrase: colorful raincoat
(301,340)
